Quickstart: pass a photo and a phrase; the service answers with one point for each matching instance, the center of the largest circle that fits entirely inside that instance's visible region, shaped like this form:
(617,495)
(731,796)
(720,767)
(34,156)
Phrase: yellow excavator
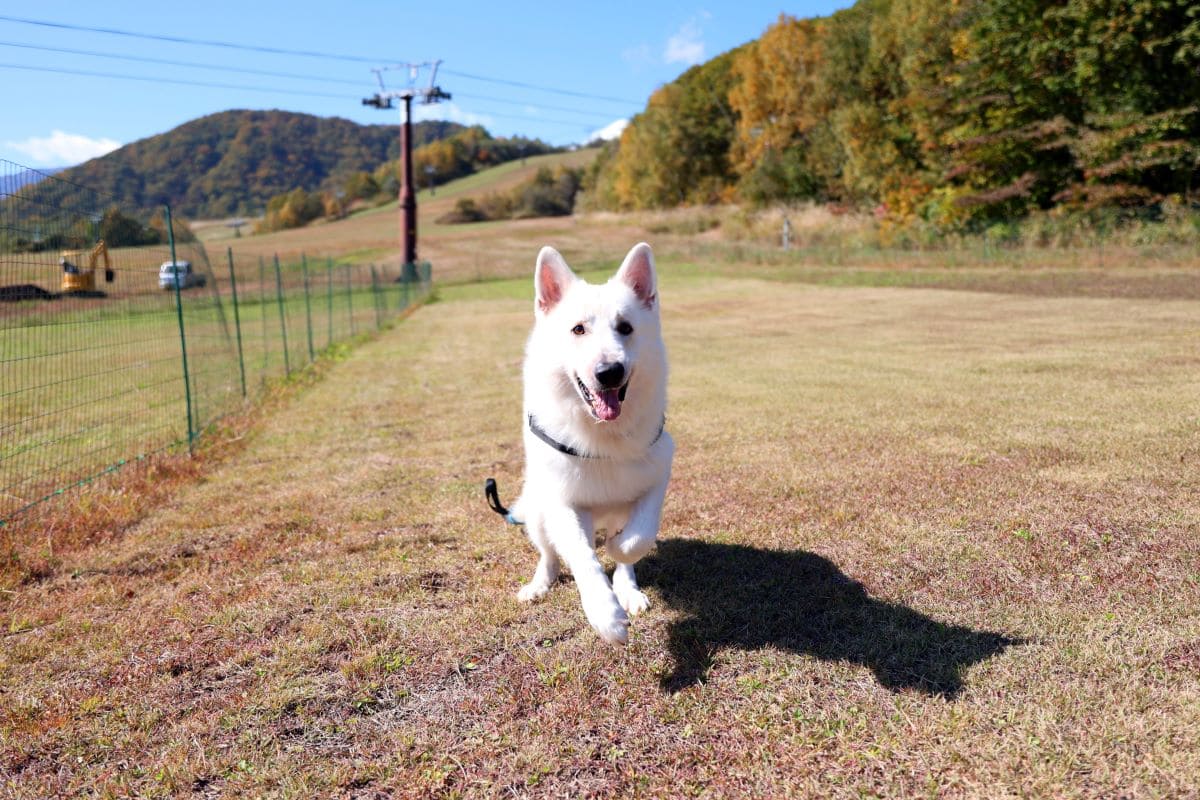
(79,278)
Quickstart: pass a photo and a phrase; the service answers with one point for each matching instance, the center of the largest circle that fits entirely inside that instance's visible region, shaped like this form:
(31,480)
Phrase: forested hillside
(292,168)
(234,161)
(957,113)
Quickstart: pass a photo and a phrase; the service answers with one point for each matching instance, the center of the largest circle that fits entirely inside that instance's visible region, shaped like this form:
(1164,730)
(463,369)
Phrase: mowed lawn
(917,543)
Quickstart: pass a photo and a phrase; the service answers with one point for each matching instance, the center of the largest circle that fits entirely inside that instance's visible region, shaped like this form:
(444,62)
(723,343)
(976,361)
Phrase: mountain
(29,177)
(232,162)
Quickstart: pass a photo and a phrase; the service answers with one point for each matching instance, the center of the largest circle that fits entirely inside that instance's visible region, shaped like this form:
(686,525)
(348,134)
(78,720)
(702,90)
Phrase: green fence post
(312,355)
(237,319)
(388,285)
(384,300)
(287,362)
(391,305)
(329,299)
(187,380)
(262,312)
(350,298)
(375,297)
(381,297)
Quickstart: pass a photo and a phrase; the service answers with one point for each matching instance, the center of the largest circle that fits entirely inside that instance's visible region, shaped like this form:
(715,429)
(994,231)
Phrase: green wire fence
(108,354)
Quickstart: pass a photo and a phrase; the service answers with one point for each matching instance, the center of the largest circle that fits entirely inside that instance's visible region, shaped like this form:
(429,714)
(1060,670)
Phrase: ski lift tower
(382,99)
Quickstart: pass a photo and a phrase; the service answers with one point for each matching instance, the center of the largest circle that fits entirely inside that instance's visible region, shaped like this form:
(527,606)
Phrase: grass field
(89,384)
(917,543)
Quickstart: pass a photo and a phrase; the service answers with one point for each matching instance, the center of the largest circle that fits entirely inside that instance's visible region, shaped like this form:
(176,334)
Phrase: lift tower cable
(383,99)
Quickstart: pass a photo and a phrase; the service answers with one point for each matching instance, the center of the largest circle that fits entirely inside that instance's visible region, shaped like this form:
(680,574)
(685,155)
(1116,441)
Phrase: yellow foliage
(774,85)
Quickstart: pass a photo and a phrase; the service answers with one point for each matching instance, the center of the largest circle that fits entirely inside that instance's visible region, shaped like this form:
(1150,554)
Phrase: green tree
(119,230)
(678,149)
(360,186)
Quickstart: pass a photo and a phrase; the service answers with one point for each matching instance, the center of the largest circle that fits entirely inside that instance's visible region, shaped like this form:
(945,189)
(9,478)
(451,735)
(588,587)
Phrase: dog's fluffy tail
(493,500)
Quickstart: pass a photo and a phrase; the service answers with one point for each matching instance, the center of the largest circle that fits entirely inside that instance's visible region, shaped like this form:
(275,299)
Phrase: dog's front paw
(533,591)
(632,600)
(625,587)
(614,631)
(611,622)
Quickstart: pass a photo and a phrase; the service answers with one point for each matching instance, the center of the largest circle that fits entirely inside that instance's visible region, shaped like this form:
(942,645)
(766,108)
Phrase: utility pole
(408,192)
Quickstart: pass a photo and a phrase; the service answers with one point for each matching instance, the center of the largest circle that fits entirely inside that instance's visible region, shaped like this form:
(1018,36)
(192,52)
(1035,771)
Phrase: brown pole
(408,195)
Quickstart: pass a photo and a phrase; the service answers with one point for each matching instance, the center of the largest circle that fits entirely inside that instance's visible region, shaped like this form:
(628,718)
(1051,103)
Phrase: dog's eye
(579,330)
(624,328)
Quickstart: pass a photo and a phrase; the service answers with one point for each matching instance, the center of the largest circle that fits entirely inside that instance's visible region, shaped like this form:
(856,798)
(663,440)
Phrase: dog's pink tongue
(607,404)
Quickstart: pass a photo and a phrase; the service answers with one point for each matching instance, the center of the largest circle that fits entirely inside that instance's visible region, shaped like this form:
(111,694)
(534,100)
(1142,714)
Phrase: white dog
(596,454)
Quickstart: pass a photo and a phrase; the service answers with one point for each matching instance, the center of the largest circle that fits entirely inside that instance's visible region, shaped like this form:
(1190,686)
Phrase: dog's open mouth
(603,404)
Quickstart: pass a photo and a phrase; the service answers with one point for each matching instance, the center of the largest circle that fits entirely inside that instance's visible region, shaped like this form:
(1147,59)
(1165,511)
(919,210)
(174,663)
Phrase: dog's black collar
(540,432)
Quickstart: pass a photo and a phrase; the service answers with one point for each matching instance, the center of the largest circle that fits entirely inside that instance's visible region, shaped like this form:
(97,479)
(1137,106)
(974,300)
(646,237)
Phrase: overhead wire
(521,85)
(176,81)
(188,40)
(274,74)
(304,53)
(539,106)
(174,63)
(272,89)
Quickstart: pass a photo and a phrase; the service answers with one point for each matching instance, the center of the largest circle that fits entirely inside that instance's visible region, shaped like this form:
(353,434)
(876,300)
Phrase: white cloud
(63,149)
(449,111)
(685,46)
(610,131)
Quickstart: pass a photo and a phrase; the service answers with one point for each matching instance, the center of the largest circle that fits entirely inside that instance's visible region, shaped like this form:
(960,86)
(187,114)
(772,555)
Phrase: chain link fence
(110,354)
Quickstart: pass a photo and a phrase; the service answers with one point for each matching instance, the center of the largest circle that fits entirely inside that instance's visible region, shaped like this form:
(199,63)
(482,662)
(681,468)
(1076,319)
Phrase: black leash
(493,500)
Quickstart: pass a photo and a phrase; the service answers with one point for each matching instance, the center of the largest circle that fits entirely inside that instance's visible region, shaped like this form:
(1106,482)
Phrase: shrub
(547,194)
(464,210)
(291,210)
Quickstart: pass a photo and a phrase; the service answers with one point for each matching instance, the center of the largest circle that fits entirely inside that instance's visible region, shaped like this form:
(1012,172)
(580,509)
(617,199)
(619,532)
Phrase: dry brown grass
(373,234)
(832,246)
(917,543)
(34,542)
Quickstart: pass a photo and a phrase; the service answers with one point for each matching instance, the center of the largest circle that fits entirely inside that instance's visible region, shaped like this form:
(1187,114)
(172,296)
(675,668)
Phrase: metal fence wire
(109,355)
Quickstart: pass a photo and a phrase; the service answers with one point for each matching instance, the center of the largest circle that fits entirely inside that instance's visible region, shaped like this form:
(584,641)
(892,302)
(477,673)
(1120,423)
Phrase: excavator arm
(78,278)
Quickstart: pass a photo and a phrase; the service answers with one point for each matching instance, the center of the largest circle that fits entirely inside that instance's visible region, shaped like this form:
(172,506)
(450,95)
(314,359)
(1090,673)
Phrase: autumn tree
(771,96)
(678,149)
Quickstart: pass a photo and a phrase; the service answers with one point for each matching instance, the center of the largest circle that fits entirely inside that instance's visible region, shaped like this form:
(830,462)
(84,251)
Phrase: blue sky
(605,60)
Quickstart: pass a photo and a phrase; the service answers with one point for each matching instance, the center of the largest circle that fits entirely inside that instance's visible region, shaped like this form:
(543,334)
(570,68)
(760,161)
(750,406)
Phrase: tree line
(958,113)
(434,163)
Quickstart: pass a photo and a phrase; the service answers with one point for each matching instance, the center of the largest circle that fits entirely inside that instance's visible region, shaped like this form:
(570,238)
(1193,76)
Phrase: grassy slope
(372,234)
(917,542)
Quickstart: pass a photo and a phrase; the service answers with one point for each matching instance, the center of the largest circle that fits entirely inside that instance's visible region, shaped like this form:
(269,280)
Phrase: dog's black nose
(611,375)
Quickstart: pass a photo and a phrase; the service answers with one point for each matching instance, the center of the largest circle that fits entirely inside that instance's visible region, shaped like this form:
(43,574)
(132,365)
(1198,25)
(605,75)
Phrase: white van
(180,272)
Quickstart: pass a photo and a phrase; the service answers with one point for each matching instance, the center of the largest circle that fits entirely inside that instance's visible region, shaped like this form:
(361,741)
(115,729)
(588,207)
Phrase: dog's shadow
(733,596)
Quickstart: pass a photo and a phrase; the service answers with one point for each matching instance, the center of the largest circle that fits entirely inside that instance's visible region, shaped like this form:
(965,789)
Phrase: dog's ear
(637,272)
(551,279)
